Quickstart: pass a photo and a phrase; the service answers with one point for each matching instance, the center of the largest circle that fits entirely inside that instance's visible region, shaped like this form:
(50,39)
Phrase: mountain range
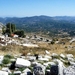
(42,23)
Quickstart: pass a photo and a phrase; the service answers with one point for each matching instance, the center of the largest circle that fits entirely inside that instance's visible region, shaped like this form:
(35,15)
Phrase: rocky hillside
(1,25)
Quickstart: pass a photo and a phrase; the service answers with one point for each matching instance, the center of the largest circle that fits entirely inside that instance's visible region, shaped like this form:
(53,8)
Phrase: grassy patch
(6,61)
(21,69)
(8,56)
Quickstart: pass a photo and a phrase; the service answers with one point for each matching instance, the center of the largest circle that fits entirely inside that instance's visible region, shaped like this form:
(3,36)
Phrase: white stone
(17,72)
(45,64)
(70,59)
(54,54)
(1,59)
(60,66)
(28,53)
(56,42)
(72,63)
(62,55)
(3,37)
(47,52)
(15,36)
(3,73)
(30,45)
(49,57)
(62,60)
(69,56)
(22,62)
(26,70)
(6,69)
(72,40)
(43,59)
(32,58)
(49,63)
(35,63)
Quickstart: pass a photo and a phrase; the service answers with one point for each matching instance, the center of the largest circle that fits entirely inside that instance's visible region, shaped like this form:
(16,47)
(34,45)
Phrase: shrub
(6,61)
(20,33)
(8,56)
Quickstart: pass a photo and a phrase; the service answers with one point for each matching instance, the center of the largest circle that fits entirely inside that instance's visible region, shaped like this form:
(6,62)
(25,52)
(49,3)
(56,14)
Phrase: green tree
(10,28)
(20,33)
(13,27)
(3,30)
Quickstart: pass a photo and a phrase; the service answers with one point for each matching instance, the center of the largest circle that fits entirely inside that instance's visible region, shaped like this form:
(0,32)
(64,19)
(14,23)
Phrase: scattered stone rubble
(44,65)
(48,64)
(5,40)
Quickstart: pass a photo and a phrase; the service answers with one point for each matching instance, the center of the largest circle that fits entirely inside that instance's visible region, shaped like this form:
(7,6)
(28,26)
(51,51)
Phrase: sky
(27,8)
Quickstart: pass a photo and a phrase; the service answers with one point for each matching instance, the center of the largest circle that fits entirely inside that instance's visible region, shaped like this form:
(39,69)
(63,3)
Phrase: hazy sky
(24,8)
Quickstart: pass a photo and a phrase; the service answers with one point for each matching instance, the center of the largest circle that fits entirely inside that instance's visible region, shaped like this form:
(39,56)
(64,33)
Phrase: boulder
(6,69)
(32,58)
(71,59)
(62,56)
(54,55)
(17,72)
(49,63)
(69,56)
(49,57)
(27,71)
(3,73)
(38,70)
(22,62)
(43,59)
(1,59)
(47,52)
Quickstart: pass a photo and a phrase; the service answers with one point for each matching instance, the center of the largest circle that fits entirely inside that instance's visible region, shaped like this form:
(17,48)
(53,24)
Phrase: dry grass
(70,52)
(55,48)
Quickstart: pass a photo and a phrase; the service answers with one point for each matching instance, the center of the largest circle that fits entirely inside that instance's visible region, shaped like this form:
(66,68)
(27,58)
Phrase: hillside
(1,25)
(43,23)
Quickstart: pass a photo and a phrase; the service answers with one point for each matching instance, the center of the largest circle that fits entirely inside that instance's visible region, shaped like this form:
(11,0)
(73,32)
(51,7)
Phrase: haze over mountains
(42,23)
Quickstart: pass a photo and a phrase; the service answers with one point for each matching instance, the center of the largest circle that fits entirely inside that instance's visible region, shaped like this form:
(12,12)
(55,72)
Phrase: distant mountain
(65,18)
(42,23)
